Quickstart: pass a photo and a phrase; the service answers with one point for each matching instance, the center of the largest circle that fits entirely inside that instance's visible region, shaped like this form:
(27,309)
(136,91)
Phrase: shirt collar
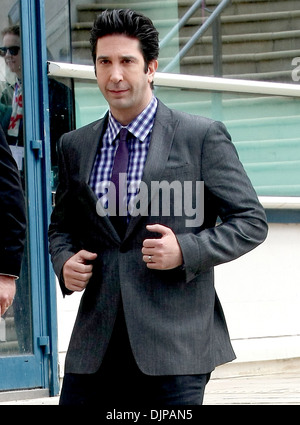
(140,127)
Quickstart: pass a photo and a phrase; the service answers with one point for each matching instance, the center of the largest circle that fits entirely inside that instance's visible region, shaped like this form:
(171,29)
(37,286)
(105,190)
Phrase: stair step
(225,19)
(252,43)
(275,76)
(123,4)
(239,64)
(243,24)
(240,7)
(153,9)
(244,57)
(236,6)
(258,38)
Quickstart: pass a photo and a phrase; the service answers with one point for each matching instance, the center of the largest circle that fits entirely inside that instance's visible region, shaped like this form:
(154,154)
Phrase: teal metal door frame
(37,130)
(40,369)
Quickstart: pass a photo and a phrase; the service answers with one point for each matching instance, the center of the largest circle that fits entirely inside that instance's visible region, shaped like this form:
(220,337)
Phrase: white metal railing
(68,70)
(280,202)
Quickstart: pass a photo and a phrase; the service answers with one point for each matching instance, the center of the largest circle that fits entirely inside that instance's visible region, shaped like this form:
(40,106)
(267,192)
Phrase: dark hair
(130,23)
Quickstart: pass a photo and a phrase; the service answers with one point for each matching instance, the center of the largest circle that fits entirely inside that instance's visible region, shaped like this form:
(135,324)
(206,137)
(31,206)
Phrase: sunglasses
(13,50)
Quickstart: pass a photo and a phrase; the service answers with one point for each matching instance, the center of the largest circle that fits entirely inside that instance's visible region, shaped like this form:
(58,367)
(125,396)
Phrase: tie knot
(123,134)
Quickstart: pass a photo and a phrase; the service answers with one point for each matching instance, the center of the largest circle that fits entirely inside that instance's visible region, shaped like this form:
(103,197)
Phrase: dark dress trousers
(174,318)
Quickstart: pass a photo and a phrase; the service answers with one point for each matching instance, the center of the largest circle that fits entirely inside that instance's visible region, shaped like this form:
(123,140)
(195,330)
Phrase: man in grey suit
(150,328)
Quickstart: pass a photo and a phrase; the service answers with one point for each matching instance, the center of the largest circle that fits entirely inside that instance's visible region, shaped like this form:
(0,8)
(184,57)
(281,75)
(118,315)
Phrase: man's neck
(125,116)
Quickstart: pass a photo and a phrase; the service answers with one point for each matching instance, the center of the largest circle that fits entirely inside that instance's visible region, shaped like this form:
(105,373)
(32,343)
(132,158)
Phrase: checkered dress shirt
(138,144)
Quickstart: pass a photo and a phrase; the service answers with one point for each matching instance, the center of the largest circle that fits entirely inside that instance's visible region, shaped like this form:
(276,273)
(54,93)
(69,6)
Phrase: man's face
(120,70)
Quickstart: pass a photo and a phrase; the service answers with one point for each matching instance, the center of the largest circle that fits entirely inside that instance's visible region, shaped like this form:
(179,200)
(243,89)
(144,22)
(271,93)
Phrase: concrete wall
(260,293)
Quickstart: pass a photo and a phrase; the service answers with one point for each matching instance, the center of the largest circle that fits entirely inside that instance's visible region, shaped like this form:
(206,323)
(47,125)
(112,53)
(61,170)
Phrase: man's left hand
(7,292)
(162,253)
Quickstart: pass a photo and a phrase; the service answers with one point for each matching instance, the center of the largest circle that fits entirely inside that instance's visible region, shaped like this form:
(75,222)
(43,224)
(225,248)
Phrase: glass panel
(60,91)
(90,105)
(264,129)
(89,102)
(257,40)
(16,326)
(58,30)
(163,14)
(248,42)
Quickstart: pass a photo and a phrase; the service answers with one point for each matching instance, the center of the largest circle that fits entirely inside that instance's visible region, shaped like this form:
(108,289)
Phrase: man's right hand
(77,270)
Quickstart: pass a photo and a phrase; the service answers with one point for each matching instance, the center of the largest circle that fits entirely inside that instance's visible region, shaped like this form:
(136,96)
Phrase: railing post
(217,66)
(219,9)
(217,47)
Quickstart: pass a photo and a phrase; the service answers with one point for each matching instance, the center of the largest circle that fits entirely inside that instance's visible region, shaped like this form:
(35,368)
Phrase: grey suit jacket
(174,318)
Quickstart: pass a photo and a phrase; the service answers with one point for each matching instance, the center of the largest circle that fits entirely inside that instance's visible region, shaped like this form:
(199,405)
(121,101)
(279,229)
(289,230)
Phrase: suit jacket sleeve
(229,195)
(62,246)
(12,212)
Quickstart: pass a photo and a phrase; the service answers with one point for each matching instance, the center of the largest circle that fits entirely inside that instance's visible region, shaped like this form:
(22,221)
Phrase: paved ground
(267,389)
(273,389)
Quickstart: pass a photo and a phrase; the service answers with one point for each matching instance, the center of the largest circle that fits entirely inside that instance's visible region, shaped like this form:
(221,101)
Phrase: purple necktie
(120,181)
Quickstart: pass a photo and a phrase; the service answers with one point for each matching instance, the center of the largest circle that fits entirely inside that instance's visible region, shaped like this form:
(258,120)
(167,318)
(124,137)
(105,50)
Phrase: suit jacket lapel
(160,145)
(89,152)
(90,149)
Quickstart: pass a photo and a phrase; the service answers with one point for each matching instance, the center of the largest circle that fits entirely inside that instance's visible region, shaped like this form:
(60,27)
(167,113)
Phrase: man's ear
(152,67)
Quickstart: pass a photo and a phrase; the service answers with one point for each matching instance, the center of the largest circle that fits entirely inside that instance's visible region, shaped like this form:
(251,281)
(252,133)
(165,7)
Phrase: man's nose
(116,74)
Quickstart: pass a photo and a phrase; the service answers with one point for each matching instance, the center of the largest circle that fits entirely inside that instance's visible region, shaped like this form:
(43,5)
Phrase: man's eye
(103,61)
